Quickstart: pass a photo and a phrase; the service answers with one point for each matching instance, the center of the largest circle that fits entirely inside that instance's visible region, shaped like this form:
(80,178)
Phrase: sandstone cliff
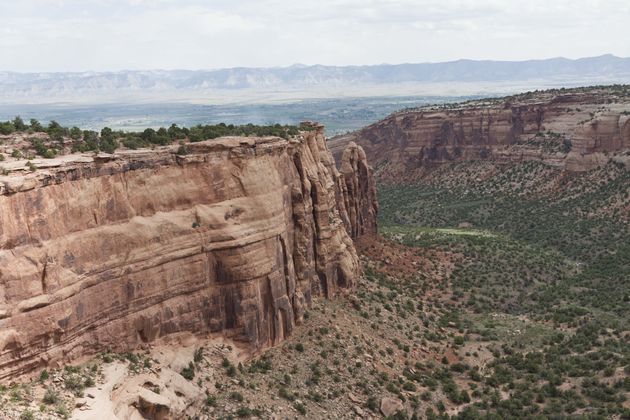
(572,129)
(360,200)
(235,237)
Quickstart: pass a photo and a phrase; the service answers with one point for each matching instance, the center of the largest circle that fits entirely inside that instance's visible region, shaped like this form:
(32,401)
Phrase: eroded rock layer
(235,237)
(576,130)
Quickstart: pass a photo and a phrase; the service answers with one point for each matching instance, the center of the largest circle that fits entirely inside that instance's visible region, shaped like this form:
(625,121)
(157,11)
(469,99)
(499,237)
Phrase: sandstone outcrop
(360,200)
(235,237)
(575,130)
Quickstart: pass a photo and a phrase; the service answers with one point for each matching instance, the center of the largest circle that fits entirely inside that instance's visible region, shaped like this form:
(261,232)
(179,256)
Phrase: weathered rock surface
(576,130)
(360,200)
(235,237)
(390,406)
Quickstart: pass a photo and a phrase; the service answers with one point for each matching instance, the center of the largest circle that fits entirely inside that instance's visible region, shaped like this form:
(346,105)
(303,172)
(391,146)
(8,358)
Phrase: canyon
(573,129)
(193,279)
(235,237)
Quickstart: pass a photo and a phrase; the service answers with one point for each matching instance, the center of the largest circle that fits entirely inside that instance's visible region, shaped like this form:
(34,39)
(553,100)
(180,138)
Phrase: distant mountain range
(21,87)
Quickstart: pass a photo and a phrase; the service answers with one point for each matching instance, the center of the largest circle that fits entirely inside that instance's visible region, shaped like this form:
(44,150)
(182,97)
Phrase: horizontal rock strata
(236,236)
(574,131)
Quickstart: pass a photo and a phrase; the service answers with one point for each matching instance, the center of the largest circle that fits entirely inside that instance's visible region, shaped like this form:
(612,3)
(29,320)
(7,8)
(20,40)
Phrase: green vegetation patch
(540,276)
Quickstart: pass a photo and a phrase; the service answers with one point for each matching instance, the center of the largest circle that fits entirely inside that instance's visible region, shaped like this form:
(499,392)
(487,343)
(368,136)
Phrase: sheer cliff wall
(235,237)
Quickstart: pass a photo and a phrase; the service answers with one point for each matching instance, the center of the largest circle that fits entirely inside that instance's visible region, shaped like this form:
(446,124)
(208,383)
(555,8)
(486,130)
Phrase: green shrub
(409,386)
(6,127)
(300,408)
(49,154)
(284,393)
(50,397)
(27,415)
(188,372)
(62,411)
(198,357)
(372,404)
(237,396)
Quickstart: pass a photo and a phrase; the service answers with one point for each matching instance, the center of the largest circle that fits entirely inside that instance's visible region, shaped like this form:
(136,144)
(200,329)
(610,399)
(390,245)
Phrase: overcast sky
(76,35)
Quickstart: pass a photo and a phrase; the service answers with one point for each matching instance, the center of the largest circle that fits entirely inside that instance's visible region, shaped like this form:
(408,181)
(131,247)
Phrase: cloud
(67,35)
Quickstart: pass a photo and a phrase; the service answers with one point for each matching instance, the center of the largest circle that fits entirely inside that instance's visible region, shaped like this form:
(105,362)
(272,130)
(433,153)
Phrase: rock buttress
(361,202)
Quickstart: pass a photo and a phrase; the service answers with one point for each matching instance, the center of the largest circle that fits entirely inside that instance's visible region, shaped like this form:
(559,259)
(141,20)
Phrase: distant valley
(338,115)
(344,98)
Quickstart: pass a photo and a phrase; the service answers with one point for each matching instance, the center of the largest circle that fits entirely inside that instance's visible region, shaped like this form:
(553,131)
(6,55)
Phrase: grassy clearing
(429,231)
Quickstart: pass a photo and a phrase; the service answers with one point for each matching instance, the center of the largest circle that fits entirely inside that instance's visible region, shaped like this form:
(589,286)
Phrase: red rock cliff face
(235,237)
(538,126)
(360,200)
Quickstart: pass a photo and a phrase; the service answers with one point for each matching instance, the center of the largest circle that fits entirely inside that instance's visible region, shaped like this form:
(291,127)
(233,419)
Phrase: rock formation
(574,129)
(360,201)
(235,237)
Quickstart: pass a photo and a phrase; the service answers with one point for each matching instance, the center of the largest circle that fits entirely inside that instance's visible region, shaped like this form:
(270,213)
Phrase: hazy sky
(71,35)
